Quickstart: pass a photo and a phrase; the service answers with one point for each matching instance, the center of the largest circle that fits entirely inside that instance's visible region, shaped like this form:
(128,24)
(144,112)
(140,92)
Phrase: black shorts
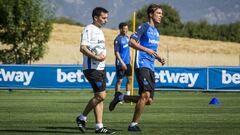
(146,80)
(121,73)
(97,79)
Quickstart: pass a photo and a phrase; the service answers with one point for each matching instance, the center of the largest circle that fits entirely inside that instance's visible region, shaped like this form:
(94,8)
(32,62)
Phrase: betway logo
(152,41)
(185,78)
(228,78)
(16,76)
(78,76)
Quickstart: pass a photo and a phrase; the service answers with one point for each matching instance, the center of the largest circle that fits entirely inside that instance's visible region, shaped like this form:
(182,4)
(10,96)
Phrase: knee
(145,97)
(129,80)
(150,101)
(103,96)
(119,82)
(100,97)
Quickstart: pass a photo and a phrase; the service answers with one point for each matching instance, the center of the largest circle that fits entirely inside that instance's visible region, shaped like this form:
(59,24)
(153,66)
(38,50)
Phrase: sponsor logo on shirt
(125,46)
(152,41)
(101,42)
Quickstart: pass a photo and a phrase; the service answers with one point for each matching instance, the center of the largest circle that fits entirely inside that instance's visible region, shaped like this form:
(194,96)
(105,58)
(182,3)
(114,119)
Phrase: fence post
(168,56)
(239,60)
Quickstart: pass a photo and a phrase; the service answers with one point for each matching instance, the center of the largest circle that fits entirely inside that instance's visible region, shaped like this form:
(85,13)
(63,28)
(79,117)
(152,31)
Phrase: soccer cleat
(81,124)
(104,130)
(115,101)
(134,129)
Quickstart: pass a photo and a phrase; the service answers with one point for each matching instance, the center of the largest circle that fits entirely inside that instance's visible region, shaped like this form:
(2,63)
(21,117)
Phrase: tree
(66,20)
(171,22)
(25,27)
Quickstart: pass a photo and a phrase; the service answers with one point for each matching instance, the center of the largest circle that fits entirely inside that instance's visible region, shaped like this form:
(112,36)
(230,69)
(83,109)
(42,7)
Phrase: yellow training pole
(133,54)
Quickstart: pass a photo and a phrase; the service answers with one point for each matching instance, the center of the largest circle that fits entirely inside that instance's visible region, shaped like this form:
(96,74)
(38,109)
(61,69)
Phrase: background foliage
(171,25)
(25,27)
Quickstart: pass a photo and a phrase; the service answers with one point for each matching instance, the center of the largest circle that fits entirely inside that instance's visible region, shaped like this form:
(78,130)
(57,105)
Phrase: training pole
(133,53)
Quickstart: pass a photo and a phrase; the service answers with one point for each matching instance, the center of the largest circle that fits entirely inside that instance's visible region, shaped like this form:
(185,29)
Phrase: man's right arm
(135,37)
(84,49)
(134,44)
(124,67)
(117,54)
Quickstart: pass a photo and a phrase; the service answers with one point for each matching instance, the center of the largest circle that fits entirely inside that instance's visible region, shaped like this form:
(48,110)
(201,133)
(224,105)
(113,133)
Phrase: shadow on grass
(68,128)
(72,102)
(75,130)
(37,131)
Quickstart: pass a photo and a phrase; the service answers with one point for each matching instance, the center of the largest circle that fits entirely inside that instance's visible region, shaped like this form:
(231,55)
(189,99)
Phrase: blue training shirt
(121,46)
(148,37)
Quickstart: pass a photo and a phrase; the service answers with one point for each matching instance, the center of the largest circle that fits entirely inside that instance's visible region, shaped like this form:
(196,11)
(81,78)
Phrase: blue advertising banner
(72,77)
(224,78)
(181,78)
(46,76)
(37,76)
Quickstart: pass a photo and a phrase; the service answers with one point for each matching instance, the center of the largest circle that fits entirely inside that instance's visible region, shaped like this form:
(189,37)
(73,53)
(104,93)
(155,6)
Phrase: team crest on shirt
(124,42)
(153,33)
(99,84)
(145,82)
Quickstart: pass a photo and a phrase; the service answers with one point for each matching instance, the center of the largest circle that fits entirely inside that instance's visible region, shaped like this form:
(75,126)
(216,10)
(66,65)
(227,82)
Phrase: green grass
(172,113)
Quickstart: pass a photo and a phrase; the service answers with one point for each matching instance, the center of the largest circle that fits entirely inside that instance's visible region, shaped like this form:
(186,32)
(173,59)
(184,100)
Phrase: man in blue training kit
(122,63)
(145,40)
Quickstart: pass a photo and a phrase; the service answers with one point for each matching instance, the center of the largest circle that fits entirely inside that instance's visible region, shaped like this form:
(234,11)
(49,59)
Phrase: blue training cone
(214,101)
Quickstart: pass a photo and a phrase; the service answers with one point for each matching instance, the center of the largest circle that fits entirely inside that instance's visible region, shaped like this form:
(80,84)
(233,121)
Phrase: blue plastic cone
(214,101)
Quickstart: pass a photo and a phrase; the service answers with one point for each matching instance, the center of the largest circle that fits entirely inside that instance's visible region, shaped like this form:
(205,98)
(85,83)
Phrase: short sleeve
(85,37)
(140,31)
(116,45)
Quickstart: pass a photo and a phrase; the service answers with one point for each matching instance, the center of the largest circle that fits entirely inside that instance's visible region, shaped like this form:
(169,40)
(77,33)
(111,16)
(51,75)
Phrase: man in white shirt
(94,69)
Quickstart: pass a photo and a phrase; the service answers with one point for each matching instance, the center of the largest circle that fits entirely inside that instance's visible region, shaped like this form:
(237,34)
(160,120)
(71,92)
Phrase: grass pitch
(172,113)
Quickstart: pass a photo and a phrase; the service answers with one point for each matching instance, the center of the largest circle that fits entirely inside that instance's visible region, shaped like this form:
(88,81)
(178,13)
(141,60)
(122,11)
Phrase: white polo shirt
(92,36)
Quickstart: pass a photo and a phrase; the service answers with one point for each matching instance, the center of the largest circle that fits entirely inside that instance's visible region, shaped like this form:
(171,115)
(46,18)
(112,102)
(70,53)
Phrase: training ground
(42,112)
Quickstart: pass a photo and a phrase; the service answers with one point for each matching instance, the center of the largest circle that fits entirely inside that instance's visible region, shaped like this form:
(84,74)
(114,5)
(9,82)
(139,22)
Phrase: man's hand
(85,50)
(161,60)
(100,57)
(124,67)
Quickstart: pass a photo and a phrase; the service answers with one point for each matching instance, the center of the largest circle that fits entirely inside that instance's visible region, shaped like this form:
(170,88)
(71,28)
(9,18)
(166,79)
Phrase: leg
(128,73)
(146,81)
(118,85)
(129,84)
(98,113)
(150,101)
(98,109)
(93,103)
(139,108)
(97,78)
(129,99)
(143,100)
(121,97)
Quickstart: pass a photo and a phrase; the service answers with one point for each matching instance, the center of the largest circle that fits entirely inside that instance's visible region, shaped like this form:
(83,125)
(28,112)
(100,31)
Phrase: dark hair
(122,24)
(152,8)
(97,11)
